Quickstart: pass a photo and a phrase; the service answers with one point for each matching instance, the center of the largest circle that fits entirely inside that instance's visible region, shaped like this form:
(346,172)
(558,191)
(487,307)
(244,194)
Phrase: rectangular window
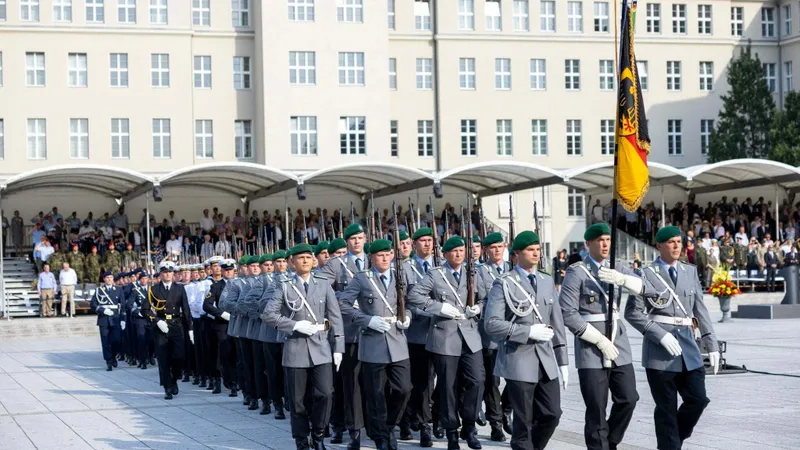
(201,12)
(392,73)
(674,137)
(574,203)
(606,137)
(243,139)
(641,69)
(3,12)
(770,76)
(202,72)
(241,72)
(424,73)
(79,138)
(706,76)
(679,19)
(240,12)
(29,10)
(539,137)
(299,11)
(601,13)
(575,17)
(1,69)
(547,15)
(422,15)
(494,19)
(34,69)
(469,137)
(787,76)
(120,138)
(522,21)
(768,22)
(353,135)
(505,138)
(704,19)
(351,69)
(390,12)
(502,74)
(572,74)
(538,74)
(606,75)
(62,10)
(304,135)
(78,70)
(787,20)
(95,11)
(737,21)
(574,145)
(654,18)
(2,140)
(162,138)
(303,68)
(706,126)
(673,75)
(118,69)
(126,11)
(37,139)
(425,138)
(466,15)
(350,11)
(204,139)
(159,70)
(466,73)
(394,139)
(158,12)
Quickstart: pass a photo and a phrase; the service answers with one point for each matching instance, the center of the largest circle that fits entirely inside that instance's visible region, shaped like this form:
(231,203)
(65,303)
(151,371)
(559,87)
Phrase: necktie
(532,279)
(499,270)
(673,273)
(305,286)
(426,266)
(457,276)
(385,281)
(359,264)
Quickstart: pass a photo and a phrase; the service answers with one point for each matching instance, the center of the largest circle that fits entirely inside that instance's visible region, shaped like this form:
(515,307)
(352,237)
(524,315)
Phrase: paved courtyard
(56,393)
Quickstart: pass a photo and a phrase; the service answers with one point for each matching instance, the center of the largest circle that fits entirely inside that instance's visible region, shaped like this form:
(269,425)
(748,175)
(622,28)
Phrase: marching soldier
(321,253)
(523,314)
(244,345)
(583,307)
(93,266)
(305,308)
(77,261)
(138,322)
(189,361)
(235,325)
(210,353)
(248,307)
(107,303)
(670,355)
(382,350)
(221,296)
(454,340)
(196,308)
(112,260)
(404,247)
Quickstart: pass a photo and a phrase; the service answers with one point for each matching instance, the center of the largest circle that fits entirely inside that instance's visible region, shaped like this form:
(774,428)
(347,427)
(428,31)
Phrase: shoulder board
(577,264)
(318,275)
(544,273)
(506,274)
(367,273)
(439,268)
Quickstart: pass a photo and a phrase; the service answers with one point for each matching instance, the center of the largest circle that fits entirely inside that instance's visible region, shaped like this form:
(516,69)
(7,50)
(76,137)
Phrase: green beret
(380,245)
(280,254)
(253,260)
(352,230)
(366,248)
(524,239)
(301,248)
(492,238)
(453,242)
(243,260)
(404,236)
(476,239)
(322,246)
(595,231)
(264,258)
(666,233)
(336,244)
(422,232)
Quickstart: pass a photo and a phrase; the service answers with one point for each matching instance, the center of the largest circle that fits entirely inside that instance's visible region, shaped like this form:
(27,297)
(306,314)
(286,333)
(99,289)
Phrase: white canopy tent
(499,177)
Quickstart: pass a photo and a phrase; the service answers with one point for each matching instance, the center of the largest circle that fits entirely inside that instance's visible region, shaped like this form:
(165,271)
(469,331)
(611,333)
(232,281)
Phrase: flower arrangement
(722,285)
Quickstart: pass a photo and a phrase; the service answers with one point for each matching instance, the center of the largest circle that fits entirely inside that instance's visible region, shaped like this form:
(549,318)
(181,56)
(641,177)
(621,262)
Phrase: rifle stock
(511,233)
(434,228)
(470,263)
(536,230)
(399,282)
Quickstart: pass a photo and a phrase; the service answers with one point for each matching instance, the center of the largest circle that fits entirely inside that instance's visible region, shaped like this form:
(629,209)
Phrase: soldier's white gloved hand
(563,374)
(337,360)
(407,323)
(449,311)
(540,332)
(108,312)
(191,336)
(226,316)
(162,326)
(473,311)
(632,283)
(304,327)
(713,359)
(378,324)
(122,325)
(593,336)
(671,344)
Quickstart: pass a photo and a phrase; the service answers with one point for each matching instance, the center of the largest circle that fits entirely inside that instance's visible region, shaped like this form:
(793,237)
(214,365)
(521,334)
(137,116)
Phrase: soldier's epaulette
(576,264)
(506,274)
(367,273)
(543,273)
(439,268)
(316,275)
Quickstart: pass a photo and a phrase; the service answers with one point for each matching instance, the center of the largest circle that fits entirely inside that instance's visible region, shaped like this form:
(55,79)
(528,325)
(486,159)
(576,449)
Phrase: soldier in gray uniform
(583,306)
(227,303)
(382,350)
(670,354)
(455,342)
(337,247)
(522,312)
(249,307)
(305,309)
(244,345)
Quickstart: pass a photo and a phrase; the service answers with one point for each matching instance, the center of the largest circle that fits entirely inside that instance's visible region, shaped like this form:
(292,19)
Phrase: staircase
(60,327)
(21,301)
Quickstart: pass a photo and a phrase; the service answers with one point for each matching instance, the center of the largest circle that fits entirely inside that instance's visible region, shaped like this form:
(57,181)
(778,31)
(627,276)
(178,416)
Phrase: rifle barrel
(398,277)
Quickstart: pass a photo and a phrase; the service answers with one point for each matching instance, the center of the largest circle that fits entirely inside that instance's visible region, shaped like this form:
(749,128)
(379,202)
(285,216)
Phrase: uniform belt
(668,320)
(172,316)
(597,317)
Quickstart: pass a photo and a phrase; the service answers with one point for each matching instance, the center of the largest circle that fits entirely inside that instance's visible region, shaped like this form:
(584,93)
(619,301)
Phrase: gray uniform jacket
(227,302)
(286,308)
(638,312)
(518,357)
(414,272)
(370,292)
(580,296)
(268,333)
(444,334)
(248,306)
(243,323)
(486,274)
(340,271)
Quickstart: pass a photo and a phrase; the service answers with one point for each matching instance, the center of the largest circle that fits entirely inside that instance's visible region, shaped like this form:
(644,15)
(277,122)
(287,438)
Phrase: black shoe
(507,423)
(167,394)
(175,389)
(131,362)
(438,431)
(217,387)
(425,439)
(196,381)
(114,362)
(327,432)
(233,393)
(481,418)
(301,444)
(381,444)
(497,433)
(414,424)
(470,434)
(253,405)
(452,440)
(246,400)
(143,366)
(279,415)
(109,366)
(202,382)
(152,361)
(392,440)
(405,431)
(265,409)
(318,441)
(355,440)
(186,378)
(337,436)
(121,356)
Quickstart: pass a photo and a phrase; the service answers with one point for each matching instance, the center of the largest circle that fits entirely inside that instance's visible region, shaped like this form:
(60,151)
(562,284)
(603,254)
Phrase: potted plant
(723,288)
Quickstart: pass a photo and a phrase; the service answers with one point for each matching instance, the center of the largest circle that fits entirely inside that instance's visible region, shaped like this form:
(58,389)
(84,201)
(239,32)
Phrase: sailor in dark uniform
(107,303)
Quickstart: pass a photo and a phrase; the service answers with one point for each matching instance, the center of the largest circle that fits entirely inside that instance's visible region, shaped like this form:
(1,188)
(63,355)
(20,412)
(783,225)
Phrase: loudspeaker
(157,194)
(301,191)
(437,190)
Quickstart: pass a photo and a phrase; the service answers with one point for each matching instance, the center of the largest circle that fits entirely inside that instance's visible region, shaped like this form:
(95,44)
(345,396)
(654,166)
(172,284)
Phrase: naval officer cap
(422,232)
(353,230)
(166,266)
(380,245)
(336,244)
(118,276)
(453,243)
(107,273)
(524,240)
(492,238)
(322,246)
(215,260)
(666,233)
(595,231)
(300,249)
(253,260)
(404,236)
(266,257)
(227,264)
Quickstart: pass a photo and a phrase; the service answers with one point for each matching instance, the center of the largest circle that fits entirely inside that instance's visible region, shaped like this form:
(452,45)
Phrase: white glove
(713,359)
(593,336)
(162,326)
(122,325)
(226,316)
(671,344)
(563,373)
(337,360)
(304,327)
(632,283)
(407,323)
(540,332)
(108,312)
(378,324)
(449,311)
(191,336)
(473,311)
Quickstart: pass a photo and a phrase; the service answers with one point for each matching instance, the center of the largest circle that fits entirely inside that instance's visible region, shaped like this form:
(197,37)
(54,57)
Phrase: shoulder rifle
(536,230)
(399,282)
(470,263)
(436,247)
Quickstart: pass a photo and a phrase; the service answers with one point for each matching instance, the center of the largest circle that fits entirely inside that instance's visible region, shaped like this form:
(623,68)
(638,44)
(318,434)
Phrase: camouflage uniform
(740,256)
(56,261)
(77,261)
(727,256)
(93,268)
(129,256)
(701,260)
(112,261)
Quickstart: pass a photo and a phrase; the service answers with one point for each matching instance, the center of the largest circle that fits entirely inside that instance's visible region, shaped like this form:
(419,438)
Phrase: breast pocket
(590,295)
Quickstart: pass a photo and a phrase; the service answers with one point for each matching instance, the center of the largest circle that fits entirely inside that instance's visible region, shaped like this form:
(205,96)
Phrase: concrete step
(20,328)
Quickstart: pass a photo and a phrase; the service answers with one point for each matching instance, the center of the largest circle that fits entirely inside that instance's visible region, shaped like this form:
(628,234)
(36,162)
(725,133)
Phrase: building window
(425,138)
(299,11)
(79,138)
(505,138)
(158,12)
(37,139)
(162,138)
(1,69)
(494,19)
(422,15)
(606,137)
(466,73)
(241,12)
(521,17)
(243,139)
(351,68)
(390,11)
(770,76)
(538,74)
(350,11)
(202,72)
(394,139)
(673,75)
(737,21)
(353,135)
(539,137)
(120,138)
(787,20)
(424,73)
(574,203)
(704,19)
(304,135)
(34,69)
(706,126)
(469,137)
(159,70)
(706,76)
(118,69)
(654,18)
(392,73)
(466,15)
(572,74)
(787,76)
(241,72)
(78,70)
(768,22)
(574,147)
(203,139)
(641,70)
(201,12)
(502,73)
(95,11)
(575,17)
(547,15)
(126,11)
(62,10)
(674,137)
(606,74)
(679,19)
(2,140)
(29,10)
(601,17)
(3,12)
(302,68)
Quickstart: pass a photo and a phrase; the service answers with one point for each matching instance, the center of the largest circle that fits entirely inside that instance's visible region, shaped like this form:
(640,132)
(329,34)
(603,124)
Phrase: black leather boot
(392,440)
(167,394)
(507,423)
(196,380)
(109,366)
(301,444)
(497,432)
(318,440)
(217,386)
(425,438)
(405,429)
(202,382)
(381,444)
(355,440)
(470,434)
(337,436)
(438,431)
(265,408)
(481,418)
(452,440)
(186,377)
(279,414)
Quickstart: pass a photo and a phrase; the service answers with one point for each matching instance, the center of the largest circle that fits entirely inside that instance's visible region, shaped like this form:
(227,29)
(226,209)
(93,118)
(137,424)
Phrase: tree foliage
(786,131)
